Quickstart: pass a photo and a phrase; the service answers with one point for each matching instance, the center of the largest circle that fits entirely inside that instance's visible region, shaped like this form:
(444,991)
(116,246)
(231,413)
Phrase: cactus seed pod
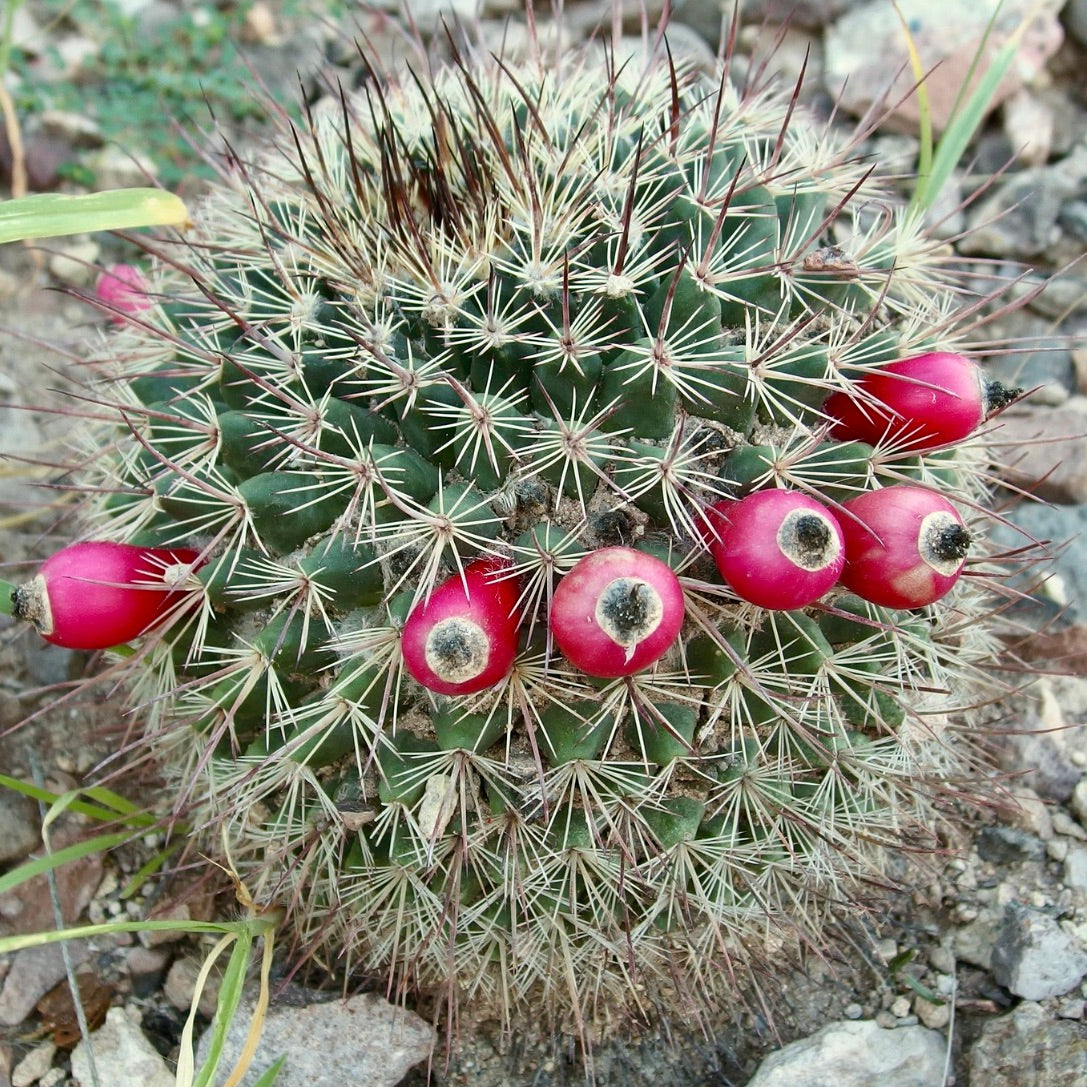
(463,638)
(616,612)
(918,403)
(905,546)
(97,594)
(779,549)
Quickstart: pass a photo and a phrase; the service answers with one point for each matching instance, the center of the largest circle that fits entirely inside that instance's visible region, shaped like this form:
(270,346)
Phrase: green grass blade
(81,932)
(40,865)
(270,1073)
(230,995)
(968,114)
(147,870)
(50,215)
(133,817)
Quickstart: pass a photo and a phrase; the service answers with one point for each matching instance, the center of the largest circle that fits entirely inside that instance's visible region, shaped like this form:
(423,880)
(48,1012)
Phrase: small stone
(1071,1009)
(1064,824)
(1008,845)
(181,985)
(1075,868)
(123,1057)
(116,168)
(1055,1051)
(901,1007)
(260,26)
(34,1065)
(74,261)
(1079,801)
(932,1015)
(19,830)
(34,971)
(361,1040)
(856,1054)
(867,61)
(1030,812)
(1029,124)
(853,1011)
(146,967)
(77,129)
(1034,958)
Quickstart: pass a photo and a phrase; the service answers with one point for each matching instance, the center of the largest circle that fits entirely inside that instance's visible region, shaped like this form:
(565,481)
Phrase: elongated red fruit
(97,594)
(777,548)
(917,403)
(463,638)
(616,612)
(904,546)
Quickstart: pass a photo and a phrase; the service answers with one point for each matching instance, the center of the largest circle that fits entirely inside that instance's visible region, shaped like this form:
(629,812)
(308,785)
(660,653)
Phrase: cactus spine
(515,313)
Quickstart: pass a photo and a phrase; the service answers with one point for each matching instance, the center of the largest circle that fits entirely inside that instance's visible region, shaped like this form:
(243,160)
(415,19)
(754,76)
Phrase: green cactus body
(523,311)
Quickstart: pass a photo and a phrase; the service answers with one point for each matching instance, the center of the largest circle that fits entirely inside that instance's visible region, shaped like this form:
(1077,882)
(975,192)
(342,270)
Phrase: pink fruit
(905,546)
(124,289)
(97,594)
(616,612)
(463,638)
(779,549)
(917,403)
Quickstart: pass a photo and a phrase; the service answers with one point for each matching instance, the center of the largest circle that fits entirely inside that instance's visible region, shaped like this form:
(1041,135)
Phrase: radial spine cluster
(454,336)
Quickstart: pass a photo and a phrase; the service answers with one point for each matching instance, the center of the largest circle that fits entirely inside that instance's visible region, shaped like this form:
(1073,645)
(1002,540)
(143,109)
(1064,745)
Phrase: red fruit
(917,403)
(616,612)
(97,594)
(904,546)
(463,638)
(779,549)
(123,287)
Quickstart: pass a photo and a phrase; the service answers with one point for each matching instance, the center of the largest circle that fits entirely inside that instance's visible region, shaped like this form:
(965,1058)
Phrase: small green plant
(128,823)
(157,84)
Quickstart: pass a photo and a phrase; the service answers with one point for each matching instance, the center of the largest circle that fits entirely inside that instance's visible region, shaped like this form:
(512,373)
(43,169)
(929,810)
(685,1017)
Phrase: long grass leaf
(256,1024)
(82,932)
(50,215)
(40,865)
(186,1058)
(134,817)
(969,112)
(924,108)
(269,1075)
(230,995)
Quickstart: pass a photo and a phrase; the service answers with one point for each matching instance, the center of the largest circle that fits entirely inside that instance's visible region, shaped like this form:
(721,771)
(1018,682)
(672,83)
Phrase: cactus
(460,334)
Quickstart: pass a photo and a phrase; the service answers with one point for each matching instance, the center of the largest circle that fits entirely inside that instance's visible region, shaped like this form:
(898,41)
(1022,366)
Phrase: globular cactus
(457,390)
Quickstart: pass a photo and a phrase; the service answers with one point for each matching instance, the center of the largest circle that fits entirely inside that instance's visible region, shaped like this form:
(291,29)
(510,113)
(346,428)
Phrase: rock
(74,260)
(1079,801)
(1018,219)
(362,1040)
(808,13)
(1044,740)
(1038,359)
(1064,650)
(1028,1049)
(181,985)
(1042,449)
(146,967)
(1034,958)
(19,827)
(1075,868)
(857,1054)
(1008,845)
(1029,124)
(117,168)
(123,1057)
(867,60)
(34,1065)
(34,971)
